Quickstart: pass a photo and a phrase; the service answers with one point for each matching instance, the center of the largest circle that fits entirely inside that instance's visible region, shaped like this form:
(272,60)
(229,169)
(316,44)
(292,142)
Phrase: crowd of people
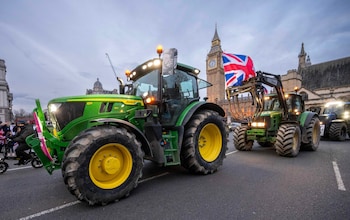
(12,140)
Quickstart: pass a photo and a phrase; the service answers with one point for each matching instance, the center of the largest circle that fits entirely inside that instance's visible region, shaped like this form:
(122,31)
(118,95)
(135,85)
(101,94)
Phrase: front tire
(205,143)
(288,140)
(102,164)
(240,139)
(337,132)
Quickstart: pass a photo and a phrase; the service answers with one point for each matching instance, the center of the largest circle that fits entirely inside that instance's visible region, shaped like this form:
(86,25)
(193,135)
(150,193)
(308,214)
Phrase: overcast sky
(57,48)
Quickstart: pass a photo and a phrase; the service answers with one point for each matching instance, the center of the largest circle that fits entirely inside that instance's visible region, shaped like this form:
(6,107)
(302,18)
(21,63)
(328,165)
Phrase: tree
(21,113)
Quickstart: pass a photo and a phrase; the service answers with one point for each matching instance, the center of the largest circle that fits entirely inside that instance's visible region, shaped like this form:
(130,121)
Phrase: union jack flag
(237,68)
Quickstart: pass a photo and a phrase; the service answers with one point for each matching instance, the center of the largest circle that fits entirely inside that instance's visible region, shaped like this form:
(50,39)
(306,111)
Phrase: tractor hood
(69,115)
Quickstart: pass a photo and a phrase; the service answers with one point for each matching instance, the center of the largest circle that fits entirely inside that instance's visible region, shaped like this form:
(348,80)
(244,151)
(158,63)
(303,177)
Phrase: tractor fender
(145,145)
(304,121)
(306,117)
(197,106)
(338,121)
(188,113)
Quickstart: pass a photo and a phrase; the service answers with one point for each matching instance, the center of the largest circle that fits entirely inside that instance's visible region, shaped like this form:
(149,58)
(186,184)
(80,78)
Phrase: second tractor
(280,119)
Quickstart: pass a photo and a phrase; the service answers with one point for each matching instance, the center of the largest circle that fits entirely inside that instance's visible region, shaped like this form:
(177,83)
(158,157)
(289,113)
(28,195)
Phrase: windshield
(337,109)
(147,85)
(271,103)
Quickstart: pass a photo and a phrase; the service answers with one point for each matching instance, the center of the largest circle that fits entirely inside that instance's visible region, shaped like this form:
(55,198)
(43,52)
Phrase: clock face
(212,63)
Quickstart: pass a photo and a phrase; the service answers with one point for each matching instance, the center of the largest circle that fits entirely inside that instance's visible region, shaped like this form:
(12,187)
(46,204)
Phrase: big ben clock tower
(215,71)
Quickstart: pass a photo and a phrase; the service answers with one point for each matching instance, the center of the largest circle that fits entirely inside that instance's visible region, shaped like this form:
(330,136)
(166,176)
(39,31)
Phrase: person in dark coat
(24,130)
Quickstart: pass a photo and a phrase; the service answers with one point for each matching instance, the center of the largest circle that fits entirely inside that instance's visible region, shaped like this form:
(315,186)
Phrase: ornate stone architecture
(216,76)
(98,89)
(318,83)
(6,97)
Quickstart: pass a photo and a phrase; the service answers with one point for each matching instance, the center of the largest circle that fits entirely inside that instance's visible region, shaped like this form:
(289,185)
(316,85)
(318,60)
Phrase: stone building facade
(318,83)
(6,97)
(98,89)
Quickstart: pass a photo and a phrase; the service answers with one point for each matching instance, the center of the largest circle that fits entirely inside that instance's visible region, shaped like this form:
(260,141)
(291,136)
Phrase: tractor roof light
(156,62)
(296,89)
(150,64)
(159,50)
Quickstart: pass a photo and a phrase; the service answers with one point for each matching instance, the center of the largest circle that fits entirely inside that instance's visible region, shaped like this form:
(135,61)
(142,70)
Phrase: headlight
(53,107)
(258,124)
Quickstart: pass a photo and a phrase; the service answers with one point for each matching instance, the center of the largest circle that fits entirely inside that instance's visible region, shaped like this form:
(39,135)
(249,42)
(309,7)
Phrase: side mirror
(169,61)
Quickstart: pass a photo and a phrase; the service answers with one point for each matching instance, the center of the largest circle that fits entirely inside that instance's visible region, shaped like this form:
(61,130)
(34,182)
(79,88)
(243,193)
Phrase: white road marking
(232,152)
(338,176)
(48,211)
(153,177)
(19,168)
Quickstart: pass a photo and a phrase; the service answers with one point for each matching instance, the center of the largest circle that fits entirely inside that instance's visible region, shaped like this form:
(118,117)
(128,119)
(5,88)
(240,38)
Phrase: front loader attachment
(255,89)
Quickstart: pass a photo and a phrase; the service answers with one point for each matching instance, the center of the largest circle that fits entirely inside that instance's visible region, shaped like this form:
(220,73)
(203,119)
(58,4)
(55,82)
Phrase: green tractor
(280,119)
(335,120)
(100,141)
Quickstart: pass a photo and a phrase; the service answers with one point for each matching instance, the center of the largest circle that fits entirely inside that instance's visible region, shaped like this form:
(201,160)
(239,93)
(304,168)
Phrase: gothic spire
(308,61)
(216,42)
(302,52)
(302,58)
(216,36)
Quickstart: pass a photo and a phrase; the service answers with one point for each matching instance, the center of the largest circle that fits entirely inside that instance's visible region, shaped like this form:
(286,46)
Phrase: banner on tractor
(237,68)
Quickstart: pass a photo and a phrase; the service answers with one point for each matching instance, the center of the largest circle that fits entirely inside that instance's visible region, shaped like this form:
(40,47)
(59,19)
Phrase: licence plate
(322,130)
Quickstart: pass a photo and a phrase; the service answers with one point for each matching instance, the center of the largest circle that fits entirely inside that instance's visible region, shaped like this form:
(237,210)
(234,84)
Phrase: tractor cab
(166,89)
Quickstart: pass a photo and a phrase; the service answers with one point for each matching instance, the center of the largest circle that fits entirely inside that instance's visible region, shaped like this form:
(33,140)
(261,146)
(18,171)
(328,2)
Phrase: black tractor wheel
(205,143)
(103,164)
(337,132)
(288,140)
(312,134)
(240,139)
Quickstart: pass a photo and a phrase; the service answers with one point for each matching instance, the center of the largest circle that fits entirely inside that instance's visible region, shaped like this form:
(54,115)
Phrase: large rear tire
(288,140)
(205,143)
(337,132)
(240,139)
(102,164)
(313,135)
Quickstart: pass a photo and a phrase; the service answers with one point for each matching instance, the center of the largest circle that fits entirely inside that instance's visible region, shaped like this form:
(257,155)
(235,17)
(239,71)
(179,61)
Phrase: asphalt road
(250,185)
